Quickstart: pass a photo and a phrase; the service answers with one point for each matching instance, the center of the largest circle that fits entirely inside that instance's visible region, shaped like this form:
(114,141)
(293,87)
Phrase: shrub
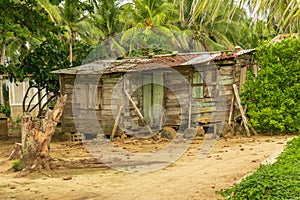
(278,181)
(5,110)
(273,97)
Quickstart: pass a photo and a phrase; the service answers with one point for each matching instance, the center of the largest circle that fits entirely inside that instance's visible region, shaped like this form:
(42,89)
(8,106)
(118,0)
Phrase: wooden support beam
(139,113)
(116,124)
(190,100)
(241,109)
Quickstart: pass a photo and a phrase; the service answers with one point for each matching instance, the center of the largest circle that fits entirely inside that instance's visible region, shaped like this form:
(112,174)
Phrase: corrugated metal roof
(204,58)
(146,63)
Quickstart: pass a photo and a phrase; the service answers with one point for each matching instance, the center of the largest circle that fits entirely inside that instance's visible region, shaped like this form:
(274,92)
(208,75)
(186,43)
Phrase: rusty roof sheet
(145,63)
(203,58)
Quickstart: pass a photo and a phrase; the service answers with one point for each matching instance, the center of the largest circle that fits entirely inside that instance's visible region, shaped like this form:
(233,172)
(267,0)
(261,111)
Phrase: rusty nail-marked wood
(139,113)
(116,124)
(241,109)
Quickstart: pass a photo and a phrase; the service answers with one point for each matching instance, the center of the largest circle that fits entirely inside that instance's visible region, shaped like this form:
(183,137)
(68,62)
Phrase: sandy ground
(188,178)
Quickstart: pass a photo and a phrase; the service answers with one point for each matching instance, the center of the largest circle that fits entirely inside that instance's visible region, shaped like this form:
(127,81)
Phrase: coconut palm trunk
(71,47)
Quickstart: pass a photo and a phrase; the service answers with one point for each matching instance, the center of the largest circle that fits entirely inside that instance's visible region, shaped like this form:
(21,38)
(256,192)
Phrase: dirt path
(188,178)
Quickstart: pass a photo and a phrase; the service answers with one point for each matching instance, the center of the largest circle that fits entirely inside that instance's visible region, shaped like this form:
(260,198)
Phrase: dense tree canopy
(130,28)
(216,25)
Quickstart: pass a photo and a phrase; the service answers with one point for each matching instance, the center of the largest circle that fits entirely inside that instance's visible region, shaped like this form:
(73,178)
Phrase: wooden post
(190,101)
(157,96)
(139,113)
(116,124)
(241,109)
(147,96)
(231,109)
(1,91)
(245,110)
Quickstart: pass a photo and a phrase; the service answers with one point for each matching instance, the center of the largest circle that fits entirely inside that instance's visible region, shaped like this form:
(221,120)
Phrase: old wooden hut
(147,93)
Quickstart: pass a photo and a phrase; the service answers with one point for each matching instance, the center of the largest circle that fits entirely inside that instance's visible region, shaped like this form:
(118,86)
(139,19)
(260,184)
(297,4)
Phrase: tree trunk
(71,47)
(3,50)
(36,142)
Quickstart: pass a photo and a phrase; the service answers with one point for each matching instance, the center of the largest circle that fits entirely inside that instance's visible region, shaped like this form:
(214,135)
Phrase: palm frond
(52,10)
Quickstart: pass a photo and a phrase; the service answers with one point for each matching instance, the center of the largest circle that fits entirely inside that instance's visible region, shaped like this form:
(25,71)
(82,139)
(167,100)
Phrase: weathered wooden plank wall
(177,97)
(174,97)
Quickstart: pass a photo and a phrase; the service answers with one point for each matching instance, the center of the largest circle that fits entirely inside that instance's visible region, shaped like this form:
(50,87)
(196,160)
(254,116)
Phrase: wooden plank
(158,96)
(116,124)
(243,77)
(231,109)
(190,101)
(139,112)
(147,96)
(81,96)
(241,109)
(226,77)
(111,80)
(69,86)
(226,82)
(226,70)
(225,62)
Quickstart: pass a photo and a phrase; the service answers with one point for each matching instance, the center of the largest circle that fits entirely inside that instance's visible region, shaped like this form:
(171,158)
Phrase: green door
(153,97)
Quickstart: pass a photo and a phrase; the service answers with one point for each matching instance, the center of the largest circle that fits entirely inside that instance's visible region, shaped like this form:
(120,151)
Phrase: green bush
(273,98)
(278,181)
(5,110)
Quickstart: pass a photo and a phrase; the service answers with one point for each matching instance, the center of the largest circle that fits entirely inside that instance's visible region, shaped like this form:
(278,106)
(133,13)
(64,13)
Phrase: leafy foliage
(273,98)
(50,55)
(5,110)
(278,181)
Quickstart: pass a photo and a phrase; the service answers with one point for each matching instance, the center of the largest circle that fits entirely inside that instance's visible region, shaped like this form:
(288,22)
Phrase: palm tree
(74,17)
(276,16)
(214,25)
(106,17)
(283,15)
(152,25)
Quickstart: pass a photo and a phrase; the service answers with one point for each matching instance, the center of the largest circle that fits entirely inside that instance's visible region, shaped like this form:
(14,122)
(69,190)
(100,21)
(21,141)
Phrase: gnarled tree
(36,140)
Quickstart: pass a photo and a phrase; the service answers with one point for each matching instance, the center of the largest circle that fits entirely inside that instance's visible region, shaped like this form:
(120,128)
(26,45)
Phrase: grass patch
(278,181)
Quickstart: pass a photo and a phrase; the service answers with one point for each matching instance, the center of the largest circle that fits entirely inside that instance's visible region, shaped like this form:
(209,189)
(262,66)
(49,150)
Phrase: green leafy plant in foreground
(278,181)
(17,166)
(273,97)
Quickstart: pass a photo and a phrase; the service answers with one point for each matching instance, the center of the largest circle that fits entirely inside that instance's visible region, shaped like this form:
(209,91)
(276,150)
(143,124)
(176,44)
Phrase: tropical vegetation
(277,181)
(33,31)
(273,96)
